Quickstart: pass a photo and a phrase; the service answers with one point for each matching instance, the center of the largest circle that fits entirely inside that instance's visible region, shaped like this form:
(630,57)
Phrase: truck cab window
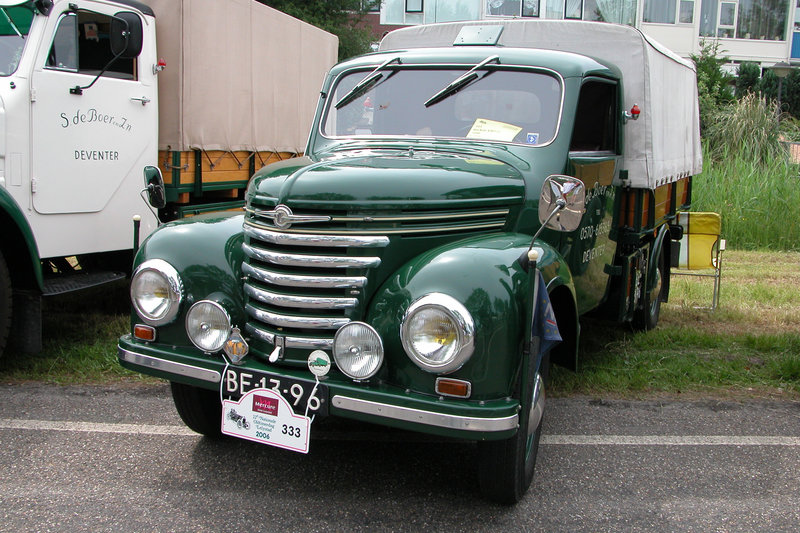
(595,122)
(81,44)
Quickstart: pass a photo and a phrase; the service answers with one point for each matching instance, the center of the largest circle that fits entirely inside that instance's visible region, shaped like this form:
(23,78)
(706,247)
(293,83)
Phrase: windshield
(15,23)
(516,106)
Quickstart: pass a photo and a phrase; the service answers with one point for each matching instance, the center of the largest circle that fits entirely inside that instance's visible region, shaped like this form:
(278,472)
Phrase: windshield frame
(461,68)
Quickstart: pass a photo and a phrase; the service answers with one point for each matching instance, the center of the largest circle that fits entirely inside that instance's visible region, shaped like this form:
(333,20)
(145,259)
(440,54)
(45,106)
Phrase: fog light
(208,325)
(358,350)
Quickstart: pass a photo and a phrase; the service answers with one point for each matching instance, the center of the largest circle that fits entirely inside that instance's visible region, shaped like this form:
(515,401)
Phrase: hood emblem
(283,217)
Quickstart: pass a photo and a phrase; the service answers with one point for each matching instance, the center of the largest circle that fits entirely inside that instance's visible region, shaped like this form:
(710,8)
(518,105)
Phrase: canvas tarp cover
(240,75)
(663,145)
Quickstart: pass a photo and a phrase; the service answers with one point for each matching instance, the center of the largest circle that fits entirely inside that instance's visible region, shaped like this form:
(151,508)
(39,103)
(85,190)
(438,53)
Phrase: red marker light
(635,111)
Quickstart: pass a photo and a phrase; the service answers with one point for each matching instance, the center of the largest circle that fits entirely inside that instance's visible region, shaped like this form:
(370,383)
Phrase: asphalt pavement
(118,458)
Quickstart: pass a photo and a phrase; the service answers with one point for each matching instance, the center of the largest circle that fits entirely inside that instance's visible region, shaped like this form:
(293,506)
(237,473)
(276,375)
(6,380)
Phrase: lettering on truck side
(96,155)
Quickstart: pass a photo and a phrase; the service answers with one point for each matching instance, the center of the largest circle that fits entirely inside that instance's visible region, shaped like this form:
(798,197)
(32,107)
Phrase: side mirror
(126,35)
(154,185)
(562,202)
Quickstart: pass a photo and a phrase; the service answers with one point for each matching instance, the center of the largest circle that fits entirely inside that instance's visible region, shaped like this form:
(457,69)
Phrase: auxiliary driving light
(208,325)
(358,350)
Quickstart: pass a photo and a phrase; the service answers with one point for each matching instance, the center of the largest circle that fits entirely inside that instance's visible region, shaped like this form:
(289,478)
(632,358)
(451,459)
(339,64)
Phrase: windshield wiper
(460,82)
(369,81)
(11,22)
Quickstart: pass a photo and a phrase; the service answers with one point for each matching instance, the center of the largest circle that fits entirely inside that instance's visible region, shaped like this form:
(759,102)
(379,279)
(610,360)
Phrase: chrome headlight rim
(465,328)
(227,328)
(175,288)
(342,368)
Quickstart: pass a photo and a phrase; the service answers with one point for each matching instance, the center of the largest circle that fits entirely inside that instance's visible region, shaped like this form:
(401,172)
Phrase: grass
(80,333)
(748,347)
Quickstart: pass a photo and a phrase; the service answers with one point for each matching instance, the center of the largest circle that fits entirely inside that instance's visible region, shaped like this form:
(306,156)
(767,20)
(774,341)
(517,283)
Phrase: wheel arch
(18,246)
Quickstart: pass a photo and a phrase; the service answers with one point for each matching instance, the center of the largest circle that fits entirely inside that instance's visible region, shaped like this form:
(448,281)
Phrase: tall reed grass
(748,177)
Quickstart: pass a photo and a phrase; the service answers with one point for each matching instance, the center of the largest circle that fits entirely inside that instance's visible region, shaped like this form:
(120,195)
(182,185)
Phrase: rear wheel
(5,303)
(506,466)
(646,317)
(200,409)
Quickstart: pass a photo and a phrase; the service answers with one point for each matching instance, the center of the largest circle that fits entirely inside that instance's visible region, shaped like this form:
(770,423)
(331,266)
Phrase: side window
(64,52)
(82,44)
(596,118)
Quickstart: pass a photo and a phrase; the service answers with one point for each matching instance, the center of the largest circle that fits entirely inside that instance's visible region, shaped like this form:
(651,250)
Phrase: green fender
(18,244)
(483,274)
(206,250)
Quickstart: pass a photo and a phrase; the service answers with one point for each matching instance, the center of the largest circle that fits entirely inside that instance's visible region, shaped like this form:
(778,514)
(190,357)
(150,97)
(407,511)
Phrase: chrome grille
(304,283)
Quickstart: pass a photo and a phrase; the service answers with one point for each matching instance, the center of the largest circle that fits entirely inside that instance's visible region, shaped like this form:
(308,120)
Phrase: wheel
(645,317)
(5,304)
(200,409)
(506,466)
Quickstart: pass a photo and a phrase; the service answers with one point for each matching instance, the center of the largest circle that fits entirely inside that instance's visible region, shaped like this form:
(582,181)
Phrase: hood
(390,180)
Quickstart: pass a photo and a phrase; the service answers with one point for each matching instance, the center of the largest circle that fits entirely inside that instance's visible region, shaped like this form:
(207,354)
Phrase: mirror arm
(523,260)
(126,34)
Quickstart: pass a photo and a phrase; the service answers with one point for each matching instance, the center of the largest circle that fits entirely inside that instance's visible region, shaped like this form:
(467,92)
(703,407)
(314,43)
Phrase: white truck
(86,103)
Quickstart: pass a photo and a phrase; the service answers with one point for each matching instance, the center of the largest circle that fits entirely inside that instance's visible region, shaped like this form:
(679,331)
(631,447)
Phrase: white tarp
(664,144)
(240,75)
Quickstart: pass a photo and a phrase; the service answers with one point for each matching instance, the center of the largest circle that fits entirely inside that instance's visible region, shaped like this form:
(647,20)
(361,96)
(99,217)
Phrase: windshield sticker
(532,138)
(493,131)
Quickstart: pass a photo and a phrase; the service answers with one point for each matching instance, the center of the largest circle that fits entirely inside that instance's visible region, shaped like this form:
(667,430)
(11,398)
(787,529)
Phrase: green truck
(468,192)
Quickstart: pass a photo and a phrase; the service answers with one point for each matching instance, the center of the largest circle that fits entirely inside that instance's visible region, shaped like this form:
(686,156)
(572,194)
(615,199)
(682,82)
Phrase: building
(764,31)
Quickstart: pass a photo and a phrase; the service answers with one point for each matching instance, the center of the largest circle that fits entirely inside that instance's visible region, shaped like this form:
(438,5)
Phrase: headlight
(208,325)
(156,291)
(438,333)
(358,350)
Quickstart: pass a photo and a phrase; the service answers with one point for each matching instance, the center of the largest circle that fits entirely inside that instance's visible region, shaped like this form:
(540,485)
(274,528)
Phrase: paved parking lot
(103,458)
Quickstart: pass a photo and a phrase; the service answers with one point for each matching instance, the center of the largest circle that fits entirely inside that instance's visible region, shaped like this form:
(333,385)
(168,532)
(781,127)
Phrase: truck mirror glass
(154,185)
(126,35)
(562,202)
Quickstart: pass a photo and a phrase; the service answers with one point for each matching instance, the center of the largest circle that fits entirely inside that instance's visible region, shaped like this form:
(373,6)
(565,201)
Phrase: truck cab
(467,193)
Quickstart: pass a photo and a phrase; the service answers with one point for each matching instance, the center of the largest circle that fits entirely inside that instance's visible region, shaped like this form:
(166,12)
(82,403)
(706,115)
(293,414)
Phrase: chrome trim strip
(162,365)
(404,231)
(287,321)
(428,418)
(302,302)
(292,280)
(329,261)
(306,239)
(291,342)
(412,217)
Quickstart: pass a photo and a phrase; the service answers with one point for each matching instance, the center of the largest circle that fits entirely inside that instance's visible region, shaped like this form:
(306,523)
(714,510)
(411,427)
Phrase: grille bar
(301,260)
(293,321)
(294,280)
(301,302)
(291,341)
(305,239)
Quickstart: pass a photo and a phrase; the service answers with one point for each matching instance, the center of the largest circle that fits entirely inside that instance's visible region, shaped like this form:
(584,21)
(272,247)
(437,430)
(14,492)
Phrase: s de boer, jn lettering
(93,116)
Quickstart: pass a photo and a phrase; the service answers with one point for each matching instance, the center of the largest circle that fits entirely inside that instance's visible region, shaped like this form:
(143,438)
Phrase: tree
(340,17)
(714,85)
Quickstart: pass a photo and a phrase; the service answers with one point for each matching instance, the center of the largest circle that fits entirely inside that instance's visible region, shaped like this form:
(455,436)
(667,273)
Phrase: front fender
(483,274)
(207,253)
(18,244)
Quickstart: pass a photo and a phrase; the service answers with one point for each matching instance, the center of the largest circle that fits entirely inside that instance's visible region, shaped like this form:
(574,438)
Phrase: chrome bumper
(343,403)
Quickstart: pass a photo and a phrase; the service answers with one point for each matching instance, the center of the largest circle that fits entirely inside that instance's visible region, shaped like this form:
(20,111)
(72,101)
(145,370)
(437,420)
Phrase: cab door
(90,134)
(594,159)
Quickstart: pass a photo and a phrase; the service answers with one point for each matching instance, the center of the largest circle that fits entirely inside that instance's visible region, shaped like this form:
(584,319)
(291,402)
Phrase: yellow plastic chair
(701,248)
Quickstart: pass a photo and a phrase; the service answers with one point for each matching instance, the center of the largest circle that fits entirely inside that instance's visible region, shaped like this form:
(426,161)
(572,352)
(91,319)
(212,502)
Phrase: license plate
(238,382)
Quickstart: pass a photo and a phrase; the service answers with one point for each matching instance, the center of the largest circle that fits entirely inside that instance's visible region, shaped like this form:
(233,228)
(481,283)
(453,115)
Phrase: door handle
(144,100)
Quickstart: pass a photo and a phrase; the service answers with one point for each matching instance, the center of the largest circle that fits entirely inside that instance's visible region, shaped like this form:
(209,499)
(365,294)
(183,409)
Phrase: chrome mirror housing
(562,202)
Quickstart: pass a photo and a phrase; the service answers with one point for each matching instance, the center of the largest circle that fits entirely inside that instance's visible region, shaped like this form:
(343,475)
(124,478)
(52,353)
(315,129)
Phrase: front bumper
(376,403)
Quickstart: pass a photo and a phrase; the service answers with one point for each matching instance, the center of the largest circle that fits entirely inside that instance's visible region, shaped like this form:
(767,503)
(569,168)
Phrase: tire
(506,466)
(645,317)
(200,409)
(5,304)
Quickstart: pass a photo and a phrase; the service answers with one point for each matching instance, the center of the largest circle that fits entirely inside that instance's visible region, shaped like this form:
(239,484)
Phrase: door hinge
(33,94)
(34,181)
